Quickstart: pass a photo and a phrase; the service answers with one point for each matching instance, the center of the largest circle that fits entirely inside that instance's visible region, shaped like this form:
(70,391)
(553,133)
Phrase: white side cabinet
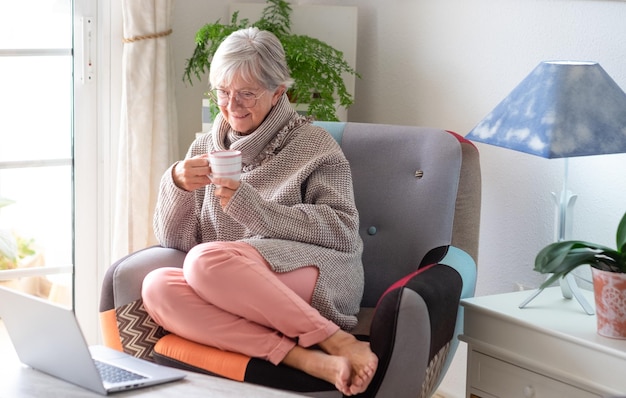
(548,349)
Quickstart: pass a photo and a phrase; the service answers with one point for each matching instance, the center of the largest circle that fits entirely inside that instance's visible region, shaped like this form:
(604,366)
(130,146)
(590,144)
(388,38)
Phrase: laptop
(47,337)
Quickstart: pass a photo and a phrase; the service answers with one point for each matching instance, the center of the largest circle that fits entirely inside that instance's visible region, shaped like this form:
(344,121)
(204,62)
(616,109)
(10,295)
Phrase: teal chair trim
(334,128)
(464,264)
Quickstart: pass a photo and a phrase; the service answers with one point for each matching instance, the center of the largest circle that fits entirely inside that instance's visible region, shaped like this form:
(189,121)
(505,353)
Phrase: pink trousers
(226,296)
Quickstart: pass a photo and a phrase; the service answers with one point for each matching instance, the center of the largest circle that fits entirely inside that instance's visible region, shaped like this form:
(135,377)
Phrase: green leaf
(553,278)
(621,235)
(560,258)
(8,245)
(207,39)
(5,202)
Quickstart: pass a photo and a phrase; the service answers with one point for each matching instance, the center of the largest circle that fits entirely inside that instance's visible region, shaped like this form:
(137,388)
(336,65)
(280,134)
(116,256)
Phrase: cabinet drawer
(502,379)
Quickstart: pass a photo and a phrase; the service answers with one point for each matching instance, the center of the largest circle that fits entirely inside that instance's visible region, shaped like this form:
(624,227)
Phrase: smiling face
(243,119)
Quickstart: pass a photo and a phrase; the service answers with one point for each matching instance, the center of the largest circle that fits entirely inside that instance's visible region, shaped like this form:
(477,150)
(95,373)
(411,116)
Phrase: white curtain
(148,132)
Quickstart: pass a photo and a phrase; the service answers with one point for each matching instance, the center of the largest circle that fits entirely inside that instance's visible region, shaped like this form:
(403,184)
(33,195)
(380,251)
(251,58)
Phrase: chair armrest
(124,322)
(123,279)
(465,266)
(412,331)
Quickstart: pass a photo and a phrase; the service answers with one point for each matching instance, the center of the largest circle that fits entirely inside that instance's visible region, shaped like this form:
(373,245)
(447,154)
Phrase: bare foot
(333,369)
(362,360)
(345,362)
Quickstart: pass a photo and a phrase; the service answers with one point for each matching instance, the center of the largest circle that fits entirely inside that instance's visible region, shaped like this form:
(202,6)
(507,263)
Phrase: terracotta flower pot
(610,296)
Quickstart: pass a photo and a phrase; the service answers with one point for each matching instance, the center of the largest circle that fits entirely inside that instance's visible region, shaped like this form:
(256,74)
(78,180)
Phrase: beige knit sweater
(295,205)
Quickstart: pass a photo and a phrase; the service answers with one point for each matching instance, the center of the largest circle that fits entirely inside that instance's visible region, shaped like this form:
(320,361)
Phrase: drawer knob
(529,392)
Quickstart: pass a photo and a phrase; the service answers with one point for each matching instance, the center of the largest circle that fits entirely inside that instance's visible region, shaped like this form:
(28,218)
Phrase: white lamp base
(569,289)
(565,203)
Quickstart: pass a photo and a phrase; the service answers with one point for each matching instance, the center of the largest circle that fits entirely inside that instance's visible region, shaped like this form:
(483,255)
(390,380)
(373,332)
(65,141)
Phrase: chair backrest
(418,193)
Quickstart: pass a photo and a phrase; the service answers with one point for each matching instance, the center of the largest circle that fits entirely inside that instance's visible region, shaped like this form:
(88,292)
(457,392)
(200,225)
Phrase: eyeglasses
(245,99)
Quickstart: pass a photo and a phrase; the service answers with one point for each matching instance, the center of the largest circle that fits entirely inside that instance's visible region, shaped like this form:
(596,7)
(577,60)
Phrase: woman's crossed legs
(226,296)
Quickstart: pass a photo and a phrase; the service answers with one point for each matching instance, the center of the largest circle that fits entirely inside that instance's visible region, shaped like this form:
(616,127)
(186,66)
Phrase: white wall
(447,63)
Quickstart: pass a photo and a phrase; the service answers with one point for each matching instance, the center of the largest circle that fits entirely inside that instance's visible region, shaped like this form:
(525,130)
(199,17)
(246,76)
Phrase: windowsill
(35,271)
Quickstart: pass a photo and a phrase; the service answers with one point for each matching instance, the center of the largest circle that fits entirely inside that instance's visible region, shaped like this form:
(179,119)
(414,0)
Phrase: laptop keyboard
(114,374)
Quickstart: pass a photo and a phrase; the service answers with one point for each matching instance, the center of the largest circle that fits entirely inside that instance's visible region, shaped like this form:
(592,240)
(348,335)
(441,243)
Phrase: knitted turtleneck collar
(255,147)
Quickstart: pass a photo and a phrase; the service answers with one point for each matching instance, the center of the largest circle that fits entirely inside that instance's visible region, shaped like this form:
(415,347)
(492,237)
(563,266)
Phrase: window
(36,154)
(53,137)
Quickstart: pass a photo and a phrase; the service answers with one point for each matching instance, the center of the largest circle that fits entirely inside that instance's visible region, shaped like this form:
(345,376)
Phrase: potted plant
(608,267)
(14,249)
(16,252)
(316,67)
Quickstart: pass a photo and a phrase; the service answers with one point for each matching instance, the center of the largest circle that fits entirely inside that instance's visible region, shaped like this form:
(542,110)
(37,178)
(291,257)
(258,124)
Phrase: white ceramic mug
(225,164)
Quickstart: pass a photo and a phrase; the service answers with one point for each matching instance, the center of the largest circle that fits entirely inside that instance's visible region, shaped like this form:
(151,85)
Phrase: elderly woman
(274,260)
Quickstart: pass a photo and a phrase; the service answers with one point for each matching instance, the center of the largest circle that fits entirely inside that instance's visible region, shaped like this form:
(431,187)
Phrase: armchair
(418,192)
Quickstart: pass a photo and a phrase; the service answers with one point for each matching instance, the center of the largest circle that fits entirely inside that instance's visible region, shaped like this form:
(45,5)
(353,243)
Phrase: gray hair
(253,55)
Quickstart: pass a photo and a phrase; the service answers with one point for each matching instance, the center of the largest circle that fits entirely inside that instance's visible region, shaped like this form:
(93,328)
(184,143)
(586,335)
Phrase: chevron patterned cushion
(138,332)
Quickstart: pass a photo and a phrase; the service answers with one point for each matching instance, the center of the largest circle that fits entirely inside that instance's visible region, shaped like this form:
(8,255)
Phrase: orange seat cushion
(223,363)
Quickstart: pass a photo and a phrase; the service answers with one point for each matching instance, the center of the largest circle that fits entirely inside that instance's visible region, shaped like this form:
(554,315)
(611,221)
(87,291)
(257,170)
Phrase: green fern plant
(560,258)
(316,67)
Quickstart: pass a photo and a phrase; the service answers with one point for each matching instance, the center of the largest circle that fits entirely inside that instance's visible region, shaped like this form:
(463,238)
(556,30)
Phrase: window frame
(97,127)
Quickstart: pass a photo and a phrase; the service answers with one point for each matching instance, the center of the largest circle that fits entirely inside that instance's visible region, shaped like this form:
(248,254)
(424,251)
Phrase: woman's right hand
(193,173)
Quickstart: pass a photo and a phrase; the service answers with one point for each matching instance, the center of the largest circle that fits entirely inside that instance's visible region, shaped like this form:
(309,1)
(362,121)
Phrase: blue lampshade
(560,110)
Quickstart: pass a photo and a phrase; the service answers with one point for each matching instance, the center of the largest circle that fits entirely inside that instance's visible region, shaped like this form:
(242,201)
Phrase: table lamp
(562,109)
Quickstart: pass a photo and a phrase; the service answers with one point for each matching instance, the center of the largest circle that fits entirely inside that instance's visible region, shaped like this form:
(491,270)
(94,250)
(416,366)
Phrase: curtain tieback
(150,36)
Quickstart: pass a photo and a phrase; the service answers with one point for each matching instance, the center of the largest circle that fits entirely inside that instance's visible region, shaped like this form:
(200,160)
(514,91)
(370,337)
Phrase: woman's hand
(225,189)
(193,173)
